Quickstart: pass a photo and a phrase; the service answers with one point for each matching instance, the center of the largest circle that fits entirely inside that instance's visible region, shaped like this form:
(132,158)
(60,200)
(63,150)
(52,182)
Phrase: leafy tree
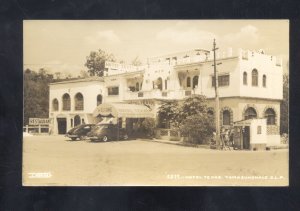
(95,62)
(167,113)
(284,107)
(190,117)
(198,128)
(194,121)
(191,106)
(36,94)
(147,126)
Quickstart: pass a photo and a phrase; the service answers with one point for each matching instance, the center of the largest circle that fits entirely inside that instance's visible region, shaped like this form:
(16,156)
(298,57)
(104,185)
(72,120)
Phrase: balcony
(158,94)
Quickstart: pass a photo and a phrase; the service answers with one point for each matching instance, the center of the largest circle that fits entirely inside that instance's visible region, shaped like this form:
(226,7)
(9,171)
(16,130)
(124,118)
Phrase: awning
(243,123)
(123,110)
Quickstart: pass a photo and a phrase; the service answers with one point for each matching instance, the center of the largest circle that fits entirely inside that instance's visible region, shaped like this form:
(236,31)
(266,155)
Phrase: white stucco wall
(256,138)
(228,66)
(273,140)
(89,90)
(265,65)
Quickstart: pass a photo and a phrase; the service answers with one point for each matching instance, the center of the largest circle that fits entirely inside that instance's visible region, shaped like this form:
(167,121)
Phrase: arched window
(264,80)
(66,102)
(78,102)
(245,78)
(99,99)
(55,105)
(159,83)
(226,117)
(77,120)
(250,113)
(137,86)
(195,81)
(270,115)
(188,82)
(254,77)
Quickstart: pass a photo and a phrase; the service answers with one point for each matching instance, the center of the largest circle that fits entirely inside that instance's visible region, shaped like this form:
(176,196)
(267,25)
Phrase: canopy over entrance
(247,122)
(119,110)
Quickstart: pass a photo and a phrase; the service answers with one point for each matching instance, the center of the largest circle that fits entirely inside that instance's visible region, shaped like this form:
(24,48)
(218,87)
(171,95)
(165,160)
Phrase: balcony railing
(164,94)
(188,93)
(158,94)
(141,94)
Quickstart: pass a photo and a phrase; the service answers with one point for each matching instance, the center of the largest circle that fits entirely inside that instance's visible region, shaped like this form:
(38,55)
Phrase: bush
(147,126)
(199,128)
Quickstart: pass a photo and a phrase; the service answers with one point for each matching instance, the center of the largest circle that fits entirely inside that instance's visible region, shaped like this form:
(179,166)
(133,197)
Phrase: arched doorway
(77,120)
(188,82)
(250,113)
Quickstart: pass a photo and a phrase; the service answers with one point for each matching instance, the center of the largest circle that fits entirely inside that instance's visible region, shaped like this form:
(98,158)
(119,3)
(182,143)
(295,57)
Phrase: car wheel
(125,137)
(104,138)
(73,139)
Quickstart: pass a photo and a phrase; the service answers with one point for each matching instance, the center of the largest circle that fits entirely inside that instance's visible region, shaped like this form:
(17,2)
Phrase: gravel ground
(146,163)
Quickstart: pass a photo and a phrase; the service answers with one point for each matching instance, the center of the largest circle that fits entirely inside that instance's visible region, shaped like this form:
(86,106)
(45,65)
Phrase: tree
(190,117)
(198,128)
(167,113)
(284,106)
(147,126)
(95,62)
(194,121)
(36,94)
(191,106)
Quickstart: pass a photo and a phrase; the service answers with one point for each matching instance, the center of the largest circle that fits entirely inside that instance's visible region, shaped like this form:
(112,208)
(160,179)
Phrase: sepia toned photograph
(156,103)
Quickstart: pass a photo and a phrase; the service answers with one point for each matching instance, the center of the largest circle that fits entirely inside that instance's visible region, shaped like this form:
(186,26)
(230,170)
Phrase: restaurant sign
(39,121)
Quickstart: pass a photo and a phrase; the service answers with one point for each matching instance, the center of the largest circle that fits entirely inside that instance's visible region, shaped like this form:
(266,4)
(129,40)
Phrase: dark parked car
(80,131)
(107,132)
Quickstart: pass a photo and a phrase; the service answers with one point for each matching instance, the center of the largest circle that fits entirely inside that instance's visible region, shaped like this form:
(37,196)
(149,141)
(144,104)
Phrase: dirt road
(137,162)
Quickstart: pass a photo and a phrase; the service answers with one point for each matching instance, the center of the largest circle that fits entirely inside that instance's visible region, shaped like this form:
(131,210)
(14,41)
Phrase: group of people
(226,138)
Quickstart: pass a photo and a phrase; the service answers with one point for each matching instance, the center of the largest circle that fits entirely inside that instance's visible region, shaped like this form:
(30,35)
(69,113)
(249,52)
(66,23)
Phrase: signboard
(119,66)
(39,121)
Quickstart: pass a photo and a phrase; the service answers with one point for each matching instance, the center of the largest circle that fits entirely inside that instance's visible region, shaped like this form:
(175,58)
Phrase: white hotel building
(250,86)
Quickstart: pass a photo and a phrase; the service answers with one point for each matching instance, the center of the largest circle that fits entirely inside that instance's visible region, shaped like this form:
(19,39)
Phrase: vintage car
(107,132)
(80,131)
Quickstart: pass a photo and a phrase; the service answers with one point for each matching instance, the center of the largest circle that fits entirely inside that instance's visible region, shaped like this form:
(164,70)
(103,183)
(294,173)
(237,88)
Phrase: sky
(62,46)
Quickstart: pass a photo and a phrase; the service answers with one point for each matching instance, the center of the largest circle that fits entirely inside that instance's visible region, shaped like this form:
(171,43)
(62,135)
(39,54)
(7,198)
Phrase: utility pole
(217,107)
